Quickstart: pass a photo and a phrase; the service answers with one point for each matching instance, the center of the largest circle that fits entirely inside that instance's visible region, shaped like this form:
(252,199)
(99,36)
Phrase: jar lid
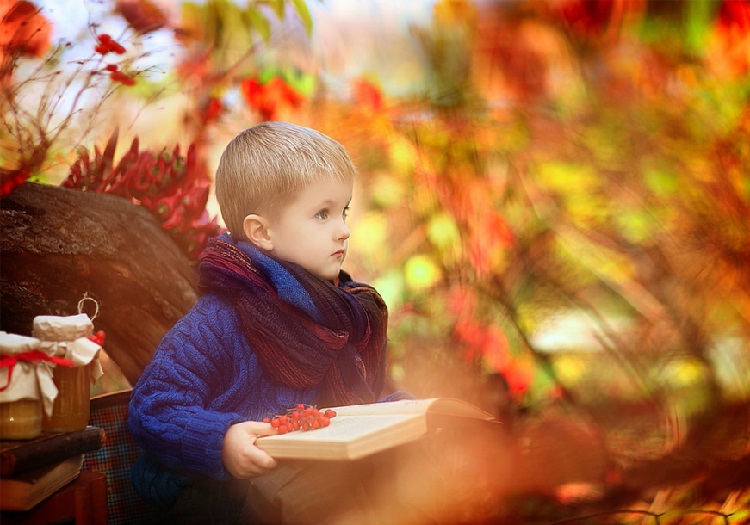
(17,344)
(57,328)
(20,379)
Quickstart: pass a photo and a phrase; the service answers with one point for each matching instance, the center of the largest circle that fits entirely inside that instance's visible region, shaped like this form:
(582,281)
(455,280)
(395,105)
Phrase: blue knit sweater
(203,378)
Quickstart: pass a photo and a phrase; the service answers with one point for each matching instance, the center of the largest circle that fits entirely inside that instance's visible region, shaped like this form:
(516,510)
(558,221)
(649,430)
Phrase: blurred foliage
(574,159)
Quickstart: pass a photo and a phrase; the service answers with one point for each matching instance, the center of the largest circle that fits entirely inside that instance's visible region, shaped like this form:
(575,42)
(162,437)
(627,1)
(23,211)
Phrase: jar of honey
(21,419)
(20,404)
(68,338)
(70,411)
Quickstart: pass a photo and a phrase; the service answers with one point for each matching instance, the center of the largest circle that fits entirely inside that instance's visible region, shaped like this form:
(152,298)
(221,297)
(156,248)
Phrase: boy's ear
(256,231)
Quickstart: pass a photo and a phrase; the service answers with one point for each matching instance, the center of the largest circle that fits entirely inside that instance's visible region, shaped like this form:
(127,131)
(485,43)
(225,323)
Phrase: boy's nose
(342,232)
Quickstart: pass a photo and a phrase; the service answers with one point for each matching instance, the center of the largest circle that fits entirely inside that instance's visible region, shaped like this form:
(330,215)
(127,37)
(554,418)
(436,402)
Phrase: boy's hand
(240,456)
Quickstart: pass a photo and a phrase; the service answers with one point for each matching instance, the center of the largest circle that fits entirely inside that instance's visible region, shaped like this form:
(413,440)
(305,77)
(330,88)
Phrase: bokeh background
(553,196)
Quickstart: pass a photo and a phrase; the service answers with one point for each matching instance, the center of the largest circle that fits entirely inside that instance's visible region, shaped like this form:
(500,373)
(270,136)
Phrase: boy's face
(311,230)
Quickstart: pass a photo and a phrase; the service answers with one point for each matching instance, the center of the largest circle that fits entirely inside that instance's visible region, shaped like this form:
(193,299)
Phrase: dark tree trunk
(58,245)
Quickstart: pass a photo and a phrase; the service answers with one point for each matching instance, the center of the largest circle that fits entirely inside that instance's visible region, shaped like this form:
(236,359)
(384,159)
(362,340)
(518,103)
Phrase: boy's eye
(345,214)
(322,214)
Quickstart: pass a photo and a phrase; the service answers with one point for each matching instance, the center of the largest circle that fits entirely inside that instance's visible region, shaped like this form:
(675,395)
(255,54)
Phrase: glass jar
(68,338)
(21,419)
(20,403)
(70,411)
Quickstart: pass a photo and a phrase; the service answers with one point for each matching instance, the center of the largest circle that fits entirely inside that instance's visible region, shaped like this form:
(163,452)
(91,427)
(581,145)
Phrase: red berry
(116,48)
(94,338)
(301,417)
(266,419)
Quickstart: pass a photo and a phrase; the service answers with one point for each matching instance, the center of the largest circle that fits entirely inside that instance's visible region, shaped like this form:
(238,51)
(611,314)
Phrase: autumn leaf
(24,30)
(143,16)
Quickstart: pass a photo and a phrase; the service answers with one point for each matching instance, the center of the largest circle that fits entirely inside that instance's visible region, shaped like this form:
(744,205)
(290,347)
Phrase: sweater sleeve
(174,413)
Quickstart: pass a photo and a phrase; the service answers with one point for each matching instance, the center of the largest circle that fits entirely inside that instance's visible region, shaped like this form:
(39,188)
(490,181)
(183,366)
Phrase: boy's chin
(328,276)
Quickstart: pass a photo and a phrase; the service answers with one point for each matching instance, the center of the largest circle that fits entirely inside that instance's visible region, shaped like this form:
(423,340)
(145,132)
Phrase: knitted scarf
(305,331)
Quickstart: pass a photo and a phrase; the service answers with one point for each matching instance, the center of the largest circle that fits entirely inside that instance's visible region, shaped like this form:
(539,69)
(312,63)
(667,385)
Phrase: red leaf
(143,16)
(24,29)
(367,95)
(11,179)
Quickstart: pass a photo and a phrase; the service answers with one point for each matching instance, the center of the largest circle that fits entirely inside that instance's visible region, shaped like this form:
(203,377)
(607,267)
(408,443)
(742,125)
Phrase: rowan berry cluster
(98,337)
(301,417)
(107,44)
(119,76)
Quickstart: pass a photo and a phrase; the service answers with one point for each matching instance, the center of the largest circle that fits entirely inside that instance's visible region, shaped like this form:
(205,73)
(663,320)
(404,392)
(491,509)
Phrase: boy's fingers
(256,463)
(256,428)
(263,460)
(267,431)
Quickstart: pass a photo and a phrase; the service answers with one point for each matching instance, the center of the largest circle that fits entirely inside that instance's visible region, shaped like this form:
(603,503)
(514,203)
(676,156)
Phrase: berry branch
(301,417)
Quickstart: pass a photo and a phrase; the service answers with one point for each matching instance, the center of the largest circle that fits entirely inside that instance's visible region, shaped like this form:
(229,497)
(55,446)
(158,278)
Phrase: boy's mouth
(338,253)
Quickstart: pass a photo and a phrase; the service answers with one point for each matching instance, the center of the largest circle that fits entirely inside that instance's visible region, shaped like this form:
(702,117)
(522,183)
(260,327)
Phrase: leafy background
(553,194)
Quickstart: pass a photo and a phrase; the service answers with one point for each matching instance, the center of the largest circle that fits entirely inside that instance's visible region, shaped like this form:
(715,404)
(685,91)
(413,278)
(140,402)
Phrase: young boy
(278,324)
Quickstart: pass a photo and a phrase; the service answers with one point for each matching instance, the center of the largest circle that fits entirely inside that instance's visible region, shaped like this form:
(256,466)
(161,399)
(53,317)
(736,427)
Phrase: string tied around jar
(25,374)
(34,356)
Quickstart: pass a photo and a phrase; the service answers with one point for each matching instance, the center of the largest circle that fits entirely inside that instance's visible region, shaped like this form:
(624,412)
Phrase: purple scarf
(318,334)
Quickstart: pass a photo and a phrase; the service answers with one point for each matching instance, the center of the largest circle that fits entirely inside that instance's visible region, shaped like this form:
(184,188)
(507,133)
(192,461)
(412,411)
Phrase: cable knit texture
(205,377)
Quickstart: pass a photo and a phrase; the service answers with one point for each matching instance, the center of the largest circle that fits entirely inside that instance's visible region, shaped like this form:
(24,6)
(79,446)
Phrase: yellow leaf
(421,272)
(403,157)
(372,229)
(442,230)
(387,191)
(390,286)
(304,14)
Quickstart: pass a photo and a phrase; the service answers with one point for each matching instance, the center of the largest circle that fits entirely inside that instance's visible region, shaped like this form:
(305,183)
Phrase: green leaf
(278,8)
(635,225)
(303,82)
(699,23)
(258,22)
(304,13)
(661,181)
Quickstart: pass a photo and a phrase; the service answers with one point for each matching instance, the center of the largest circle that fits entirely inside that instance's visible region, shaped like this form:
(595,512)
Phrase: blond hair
(265,166)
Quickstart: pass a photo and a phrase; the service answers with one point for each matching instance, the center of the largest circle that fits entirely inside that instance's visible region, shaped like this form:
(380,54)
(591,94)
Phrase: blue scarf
(306,331)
